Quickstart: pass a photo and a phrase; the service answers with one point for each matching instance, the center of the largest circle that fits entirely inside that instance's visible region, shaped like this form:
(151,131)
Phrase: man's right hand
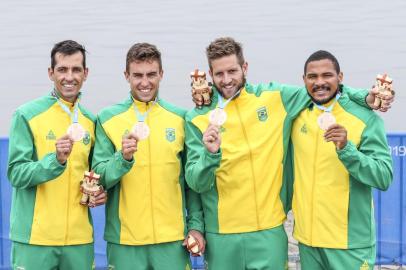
(212,139)
(63,148)
(129,146)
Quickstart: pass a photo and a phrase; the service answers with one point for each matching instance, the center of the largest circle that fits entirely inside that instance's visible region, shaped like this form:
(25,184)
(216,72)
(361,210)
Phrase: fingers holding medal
(129,146)
(63,147)
(211,138)
(336,134)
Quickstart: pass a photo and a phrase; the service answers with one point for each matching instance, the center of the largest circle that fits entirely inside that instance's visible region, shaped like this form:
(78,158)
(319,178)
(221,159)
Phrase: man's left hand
(336,134)
(100,198)
(199,238)
(386,100)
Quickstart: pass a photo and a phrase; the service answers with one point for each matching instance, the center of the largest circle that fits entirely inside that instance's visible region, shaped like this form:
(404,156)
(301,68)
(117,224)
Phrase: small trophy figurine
(192,246)
(384,85)
(89,186)
(201,89)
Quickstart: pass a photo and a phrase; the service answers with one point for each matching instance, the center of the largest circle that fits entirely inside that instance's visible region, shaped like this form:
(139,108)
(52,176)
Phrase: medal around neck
(76,132)
(141,130)
(325,120)
(218,117)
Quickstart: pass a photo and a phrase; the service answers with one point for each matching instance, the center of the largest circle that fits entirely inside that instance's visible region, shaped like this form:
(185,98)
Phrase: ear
(161,74)
(86,71)
(51,73)
(245,68)
(211,74)
(340,77)
(127,76)
(304,78)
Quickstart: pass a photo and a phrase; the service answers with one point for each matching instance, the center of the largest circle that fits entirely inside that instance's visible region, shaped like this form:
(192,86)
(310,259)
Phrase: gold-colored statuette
(384,85)
(201,89)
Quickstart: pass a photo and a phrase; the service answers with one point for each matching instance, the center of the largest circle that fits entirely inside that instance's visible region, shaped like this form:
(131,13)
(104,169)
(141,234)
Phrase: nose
(69,75)
(227,79)
(144,81)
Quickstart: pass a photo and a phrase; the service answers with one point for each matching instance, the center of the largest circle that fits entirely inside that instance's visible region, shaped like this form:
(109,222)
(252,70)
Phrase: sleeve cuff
(125,163)
(346,151)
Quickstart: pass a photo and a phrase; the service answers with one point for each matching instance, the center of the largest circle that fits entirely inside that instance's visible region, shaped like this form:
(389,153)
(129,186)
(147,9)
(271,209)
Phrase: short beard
(324,101)
(244,80)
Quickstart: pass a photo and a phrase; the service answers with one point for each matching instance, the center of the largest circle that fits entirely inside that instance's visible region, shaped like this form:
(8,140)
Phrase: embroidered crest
(170,134)
(262,114)
(304,129)
(86,138)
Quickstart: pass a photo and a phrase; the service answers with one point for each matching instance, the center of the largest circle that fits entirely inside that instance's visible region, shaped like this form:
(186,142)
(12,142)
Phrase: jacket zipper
(251,162)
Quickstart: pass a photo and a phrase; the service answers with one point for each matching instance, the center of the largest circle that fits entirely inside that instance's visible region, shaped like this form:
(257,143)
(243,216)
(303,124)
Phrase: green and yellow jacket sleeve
(107,160)
(371,164)
(357,95)
(24,168)
(201,165)
(194,218)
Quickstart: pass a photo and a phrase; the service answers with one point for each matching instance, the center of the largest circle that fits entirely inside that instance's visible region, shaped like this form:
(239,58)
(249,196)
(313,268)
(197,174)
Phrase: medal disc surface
(218,117)
(141,130)
(325,120)
(76,132)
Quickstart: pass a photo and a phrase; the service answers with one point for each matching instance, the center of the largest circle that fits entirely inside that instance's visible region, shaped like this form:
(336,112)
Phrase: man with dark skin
(335,168)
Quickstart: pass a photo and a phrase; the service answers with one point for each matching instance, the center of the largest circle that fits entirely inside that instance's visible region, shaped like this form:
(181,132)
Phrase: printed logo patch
(364,266)
(303,129)
(86,138)
(51,136)
(262,114)
(170,134)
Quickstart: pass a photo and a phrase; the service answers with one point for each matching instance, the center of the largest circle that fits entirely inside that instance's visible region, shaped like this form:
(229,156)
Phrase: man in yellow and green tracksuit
(334,173)
(143,172)
(48,226)
(237,166)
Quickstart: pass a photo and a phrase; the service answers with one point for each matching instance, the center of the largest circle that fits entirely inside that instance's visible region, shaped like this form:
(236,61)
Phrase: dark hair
(321,55)
(143,52)
(67,47)
(224,46)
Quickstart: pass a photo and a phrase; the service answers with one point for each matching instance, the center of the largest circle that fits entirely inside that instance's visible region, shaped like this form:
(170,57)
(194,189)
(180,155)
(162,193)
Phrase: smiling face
(144,78)
(228,75)
(68,75)
(322,80)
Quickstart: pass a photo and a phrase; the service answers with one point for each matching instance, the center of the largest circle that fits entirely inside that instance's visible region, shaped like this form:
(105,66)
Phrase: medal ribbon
(329,108)
(141,116)
(74,116)
(223,104)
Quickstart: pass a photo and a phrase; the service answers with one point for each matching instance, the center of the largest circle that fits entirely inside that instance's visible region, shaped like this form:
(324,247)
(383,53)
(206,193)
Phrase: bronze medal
(141,130)
(218,117)
(325,120)
(76,132)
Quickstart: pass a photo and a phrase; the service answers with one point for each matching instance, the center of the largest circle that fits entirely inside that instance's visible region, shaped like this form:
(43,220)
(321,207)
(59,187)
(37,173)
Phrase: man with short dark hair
(237,147)
(340,153)
(51,140)
(139,154)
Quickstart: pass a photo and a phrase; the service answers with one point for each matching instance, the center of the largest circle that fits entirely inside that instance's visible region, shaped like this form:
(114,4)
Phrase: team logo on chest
(262,114)
(304,129)
(86,138)
(51,135)
(170,134)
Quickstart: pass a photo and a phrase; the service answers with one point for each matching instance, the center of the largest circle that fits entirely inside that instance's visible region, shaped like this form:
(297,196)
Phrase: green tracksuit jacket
(332,201)
(148,196)
(45,202)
